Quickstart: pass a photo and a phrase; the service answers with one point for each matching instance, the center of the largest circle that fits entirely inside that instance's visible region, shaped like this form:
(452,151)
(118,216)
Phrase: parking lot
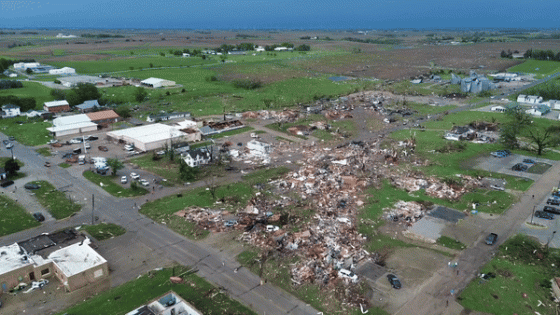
(543,229)
(504,165)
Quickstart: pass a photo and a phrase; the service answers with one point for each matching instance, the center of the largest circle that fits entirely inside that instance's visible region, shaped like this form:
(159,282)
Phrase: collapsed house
(474,83)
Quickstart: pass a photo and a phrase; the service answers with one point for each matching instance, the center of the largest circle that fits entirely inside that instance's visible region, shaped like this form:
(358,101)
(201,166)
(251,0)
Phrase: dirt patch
(415,265)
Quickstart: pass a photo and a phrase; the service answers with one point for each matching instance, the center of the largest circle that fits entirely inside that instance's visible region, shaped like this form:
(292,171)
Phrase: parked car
(124,180)
(394,281)
(76,140)
(9,145)
(6,183)
(77,151)
(230,223)
(491,239)
(134,176)
(345,273)
(52,141)
(550,209)
(519,167)
(272,228)
(160,153)
(544,215)
(31,186)
(528,161)
(39,216)
(47,164)
(6,142)
(103,148)
(91,138)
(129,147)
(144,182)
(11,138)
(552,201)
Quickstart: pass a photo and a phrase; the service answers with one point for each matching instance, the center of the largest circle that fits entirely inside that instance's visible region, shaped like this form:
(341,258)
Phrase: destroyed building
(474,83)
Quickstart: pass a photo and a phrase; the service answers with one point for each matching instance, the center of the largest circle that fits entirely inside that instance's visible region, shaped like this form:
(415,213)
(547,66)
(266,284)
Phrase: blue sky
(282,14)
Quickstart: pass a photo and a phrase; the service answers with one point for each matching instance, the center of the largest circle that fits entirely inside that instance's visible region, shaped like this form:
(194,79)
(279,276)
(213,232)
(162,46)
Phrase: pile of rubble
(409,212)
(283,116)
(434,187)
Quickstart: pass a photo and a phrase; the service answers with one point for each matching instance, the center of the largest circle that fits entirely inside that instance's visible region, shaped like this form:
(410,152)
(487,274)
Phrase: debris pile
(409,212)
(450,190)
(283,116)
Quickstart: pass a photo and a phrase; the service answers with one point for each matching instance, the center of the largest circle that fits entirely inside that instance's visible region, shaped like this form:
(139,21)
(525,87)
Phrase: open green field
(32,132)
(522,266)
(36,90)
(108,183)
(55,201)
(541,68)
(13,217)
(407,88)
(425,109)
(103,231)
(204,296)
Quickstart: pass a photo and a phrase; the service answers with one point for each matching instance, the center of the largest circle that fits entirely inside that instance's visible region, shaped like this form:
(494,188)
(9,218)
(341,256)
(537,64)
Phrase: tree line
(77,95)
(10,84)
(542,55)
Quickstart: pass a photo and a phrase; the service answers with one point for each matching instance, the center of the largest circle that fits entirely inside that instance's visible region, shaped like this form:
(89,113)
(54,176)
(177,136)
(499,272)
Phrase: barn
(157,83)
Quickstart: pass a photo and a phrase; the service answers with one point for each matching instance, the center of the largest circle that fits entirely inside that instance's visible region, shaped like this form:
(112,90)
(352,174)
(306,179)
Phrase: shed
(56,106)
(157,83)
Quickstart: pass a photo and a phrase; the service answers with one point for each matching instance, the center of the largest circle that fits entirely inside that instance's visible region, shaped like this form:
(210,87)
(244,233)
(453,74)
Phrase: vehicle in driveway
(6,183)
(394,281)
(91,138)
(129,147)
(345,273)
(39,216)
(491,239)
(553,201)
(550,209)
(124,180)
(134,176)
(520,167)
(544,215)
(9,145)
(144,182)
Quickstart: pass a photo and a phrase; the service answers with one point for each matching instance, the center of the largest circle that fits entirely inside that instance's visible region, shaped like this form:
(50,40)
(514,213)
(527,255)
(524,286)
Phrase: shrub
(247,84)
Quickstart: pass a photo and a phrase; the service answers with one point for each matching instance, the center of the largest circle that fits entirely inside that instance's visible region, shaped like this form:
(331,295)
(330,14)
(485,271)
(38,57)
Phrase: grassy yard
(109,185)
(235,195)
(13,217)
(56,202)
(449,242)
(541,68)
(425,109)
(406,88)
(65,165)
(104,231)
(19,174)
(522,266)
(32,133)
(204,296)
(44,151)
(277,270)
(39,92)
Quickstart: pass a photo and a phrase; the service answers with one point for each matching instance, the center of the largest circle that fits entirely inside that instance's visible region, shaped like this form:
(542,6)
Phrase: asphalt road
(212,265)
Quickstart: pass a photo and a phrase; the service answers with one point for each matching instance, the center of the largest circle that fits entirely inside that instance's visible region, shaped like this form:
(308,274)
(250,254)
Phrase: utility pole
(533,214)
(92,207)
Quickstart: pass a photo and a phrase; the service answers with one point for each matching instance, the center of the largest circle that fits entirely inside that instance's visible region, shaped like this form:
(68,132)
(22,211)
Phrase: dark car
(519,167)
(552,201)
(12,138)
(491,239)
(394,281)
(6,142)
(7,183)
(550,209)
(31,186)
(92,138)
(39,216)
(544,215)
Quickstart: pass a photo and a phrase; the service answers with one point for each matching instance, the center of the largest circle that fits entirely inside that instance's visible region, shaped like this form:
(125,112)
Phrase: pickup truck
(491,239)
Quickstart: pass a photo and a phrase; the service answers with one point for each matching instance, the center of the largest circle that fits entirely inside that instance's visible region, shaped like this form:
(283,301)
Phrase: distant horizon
(526,29)
(280,14)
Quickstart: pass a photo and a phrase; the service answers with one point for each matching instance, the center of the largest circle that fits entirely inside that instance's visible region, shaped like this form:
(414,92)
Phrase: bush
(247,84)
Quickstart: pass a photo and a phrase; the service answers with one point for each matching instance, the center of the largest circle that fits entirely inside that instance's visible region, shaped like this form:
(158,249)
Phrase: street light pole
(533,214)
(92,207)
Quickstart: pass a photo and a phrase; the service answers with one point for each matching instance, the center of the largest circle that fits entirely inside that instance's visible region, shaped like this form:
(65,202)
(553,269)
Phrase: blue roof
(207,130)
(88,104)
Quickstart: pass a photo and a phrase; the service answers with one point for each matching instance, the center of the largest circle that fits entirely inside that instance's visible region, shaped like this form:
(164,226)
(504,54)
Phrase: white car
(124,180)
(345,273)
(134,176)
(272,228)
(129,147)
(144,182)
(76,140)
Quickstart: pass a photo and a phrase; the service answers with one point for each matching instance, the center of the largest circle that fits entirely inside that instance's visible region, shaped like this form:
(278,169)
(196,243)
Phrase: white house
(553,104)
(281,48)
(10,110)
(65,70)
(157,83)
(529,99)
(26,65)
(186,55)
(34,113)
(197,157)
(259,147)
(169,304)
(498,108)
(259,49)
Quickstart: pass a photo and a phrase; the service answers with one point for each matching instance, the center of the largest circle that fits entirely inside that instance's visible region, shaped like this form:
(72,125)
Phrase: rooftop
(104,114)
(56,103)
(76,258)
(148,133)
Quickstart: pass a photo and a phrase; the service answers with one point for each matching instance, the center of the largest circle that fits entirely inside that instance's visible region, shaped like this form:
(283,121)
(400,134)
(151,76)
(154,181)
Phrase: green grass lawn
(13,217)
(44,151)
(277,270)
(541,68)
(65,165)
(31,133)
(109,185)
(406,88)
(39,92)
(425,109)
(204,296)
(104,231)
(56,202)
(449,242)
(518,270)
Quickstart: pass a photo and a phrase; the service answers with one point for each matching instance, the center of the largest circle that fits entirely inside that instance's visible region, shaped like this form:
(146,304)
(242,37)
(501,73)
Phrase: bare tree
(212,185)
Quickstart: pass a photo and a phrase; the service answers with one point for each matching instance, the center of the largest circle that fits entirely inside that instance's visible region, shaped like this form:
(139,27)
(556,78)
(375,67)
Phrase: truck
(491,239)
(82,159)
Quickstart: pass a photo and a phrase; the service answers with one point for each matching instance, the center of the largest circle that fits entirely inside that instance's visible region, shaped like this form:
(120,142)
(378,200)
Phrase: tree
(115,165)
(508,137)
(11,166)
(58,94)
(123,111)
(186,172)
(140,94)
(542,139)
(28,71)
(211,185)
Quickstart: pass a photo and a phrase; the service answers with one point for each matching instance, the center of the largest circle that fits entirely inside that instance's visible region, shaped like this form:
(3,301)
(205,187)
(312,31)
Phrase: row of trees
(77,95)
(541,55)
(549,90)
(519,125)
(508,53)
(25,103)
(10,84)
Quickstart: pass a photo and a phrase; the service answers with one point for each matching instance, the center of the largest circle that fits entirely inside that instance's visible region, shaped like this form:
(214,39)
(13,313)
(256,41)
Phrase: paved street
(212,265)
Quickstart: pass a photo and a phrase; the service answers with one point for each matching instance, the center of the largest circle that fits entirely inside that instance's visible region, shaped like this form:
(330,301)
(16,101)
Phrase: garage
(150,137)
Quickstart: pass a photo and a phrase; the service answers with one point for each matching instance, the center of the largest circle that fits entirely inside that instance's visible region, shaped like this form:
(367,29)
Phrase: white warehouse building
(149,137)
(65,70)
(69,125)
(157,83)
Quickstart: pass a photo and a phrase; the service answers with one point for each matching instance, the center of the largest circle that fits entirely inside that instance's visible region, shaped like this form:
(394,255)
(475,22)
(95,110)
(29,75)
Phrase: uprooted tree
(543,138)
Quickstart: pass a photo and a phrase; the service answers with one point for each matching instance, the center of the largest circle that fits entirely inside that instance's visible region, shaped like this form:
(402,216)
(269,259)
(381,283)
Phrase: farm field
(541,68)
